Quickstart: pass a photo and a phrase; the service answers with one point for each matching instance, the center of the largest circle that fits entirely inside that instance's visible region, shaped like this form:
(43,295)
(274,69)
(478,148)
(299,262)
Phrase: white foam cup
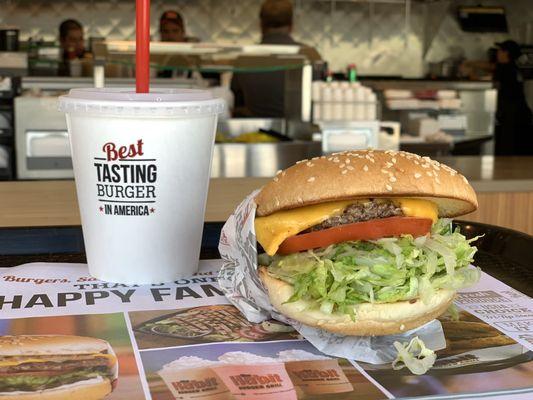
(141,164)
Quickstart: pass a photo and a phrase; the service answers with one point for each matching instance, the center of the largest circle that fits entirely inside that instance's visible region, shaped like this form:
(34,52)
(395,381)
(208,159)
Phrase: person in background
(514,120)
(261,94)
(172,27)
(71,43)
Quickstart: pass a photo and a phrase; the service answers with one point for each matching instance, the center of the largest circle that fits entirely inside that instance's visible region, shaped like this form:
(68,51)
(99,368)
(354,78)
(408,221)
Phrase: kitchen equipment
(9,39)
(41,139)
(482,19)
(9,89)
(349,135)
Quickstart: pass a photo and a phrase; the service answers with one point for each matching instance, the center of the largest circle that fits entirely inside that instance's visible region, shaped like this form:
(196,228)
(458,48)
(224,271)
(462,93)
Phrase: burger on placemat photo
(360,243)
(56,367)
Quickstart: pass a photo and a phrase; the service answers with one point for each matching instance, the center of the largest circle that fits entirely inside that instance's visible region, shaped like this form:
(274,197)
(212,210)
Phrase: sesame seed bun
(371,319)
(42,345)
(92,389)
(367,173)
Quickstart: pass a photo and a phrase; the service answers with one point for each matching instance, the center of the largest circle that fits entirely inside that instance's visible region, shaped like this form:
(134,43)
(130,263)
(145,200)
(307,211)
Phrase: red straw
(142,56)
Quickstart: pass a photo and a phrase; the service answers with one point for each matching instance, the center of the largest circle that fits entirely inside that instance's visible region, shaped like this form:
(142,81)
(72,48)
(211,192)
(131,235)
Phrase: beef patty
(359,212)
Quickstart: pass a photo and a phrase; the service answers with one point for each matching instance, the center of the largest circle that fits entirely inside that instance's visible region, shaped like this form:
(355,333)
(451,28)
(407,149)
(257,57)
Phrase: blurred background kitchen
(436,77)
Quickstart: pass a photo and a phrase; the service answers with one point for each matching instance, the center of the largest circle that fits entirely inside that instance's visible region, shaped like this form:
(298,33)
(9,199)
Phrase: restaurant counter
(504,186)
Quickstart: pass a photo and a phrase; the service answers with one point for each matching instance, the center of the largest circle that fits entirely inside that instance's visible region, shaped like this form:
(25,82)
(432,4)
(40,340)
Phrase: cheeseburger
(360,243)
(56,367)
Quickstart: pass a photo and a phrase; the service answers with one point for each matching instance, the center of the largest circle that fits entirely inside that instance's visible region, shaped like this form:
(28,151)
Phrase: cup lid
(125,101)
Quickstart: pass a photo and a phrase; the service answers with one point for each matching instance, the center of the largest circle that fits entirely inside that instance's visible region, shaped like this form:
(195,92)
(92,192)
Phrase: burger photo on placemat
(361,243)
(204,324)
(56,367)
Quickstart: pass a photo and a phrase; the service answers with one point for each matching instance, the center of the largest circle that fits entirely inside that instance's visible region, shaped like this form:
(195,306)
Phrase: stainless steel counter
(237,160)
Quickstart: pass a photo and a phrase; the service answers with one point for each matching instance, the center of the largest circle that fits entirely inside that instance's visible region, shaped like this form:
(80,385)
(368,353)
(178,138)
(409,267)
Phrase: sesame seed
(428,173)
(464,179)
(276,179)
(393,160)
(336,160)
(309,164)
(344,171)
(279,172)
(365,168)
(315,158)
(417,175)
(342,165)
(453,173)
(389,187)
(350,167)
(416,162)
(384,171)
(347,161)
(425,165)
(392,179)
(312,179)
(389,164)
(372,160)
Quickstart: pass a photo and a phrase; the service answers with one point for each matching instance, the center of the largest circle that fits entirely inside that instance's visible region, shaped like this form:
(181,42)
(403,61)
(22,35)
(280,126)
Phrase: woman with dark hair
(514,121)
(72,44)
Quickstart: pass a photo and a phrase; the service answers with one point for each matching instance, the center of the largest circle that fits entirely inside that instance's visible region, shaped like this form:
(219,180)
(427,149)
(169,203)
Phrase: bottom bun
(371,319)
(93,389)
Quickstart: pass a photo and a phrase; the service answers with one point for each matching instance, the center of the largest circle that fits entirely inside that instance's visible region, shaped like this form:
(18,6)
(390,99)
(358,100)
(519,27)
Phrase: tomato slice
(367,230)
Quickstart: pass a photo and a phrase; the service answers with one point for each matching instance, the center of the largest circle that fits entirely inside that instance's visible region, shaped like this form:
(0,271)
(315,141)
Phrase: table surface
(54,203)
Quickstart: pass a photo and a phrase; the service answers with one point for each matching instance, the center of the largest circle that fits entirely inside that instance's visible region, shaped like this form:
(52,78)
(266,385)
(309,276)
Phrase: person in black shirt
(261,94)
(514,121)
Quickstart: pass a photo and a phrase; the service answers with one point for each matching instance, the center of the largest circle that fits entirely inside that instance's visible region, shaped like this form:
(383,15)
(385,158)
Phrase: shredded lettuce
(387,270)
(415,356)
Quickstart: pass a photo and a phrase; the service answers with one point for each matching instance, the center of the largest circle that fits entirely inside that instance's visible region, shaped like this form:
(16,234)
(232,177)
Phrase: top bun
(367,174)
(42,345)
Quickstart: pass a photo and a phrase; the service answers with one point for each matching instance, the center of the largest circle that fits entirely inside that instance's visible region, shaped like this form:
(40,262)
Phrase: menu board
(184,340)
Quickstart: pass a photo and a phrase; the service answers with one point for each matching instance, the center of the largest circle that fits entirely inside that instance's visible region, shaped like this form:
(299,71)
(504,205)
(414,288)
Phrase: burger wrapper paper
(239,280)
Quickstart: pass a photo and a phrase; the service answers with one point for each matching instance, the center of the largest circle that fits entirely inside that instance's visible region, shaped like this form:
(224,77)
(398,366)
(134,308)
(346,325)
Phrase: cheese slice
(419,208)
(112,359)
(273,229)
(25,361)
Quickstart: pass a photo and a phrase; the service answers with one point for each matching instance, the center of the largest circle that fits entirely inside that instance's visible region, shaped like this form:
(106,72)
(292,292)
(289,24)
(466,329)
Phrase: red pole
(142,51)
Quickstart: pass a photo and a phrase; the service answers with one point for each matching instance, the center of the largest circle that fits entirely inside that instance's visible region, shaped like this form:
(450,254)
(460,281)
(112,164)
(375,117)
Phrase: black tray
(503,253)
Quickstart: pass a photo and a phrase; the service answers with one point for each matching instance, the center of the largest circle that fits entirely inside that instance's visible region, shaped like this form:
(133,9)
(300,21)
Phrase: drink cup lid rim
(125,101)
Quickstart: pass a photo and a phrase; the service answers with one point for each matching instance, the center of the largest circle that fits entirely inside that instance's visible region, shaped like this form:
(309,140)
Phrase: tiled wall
(373,36)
